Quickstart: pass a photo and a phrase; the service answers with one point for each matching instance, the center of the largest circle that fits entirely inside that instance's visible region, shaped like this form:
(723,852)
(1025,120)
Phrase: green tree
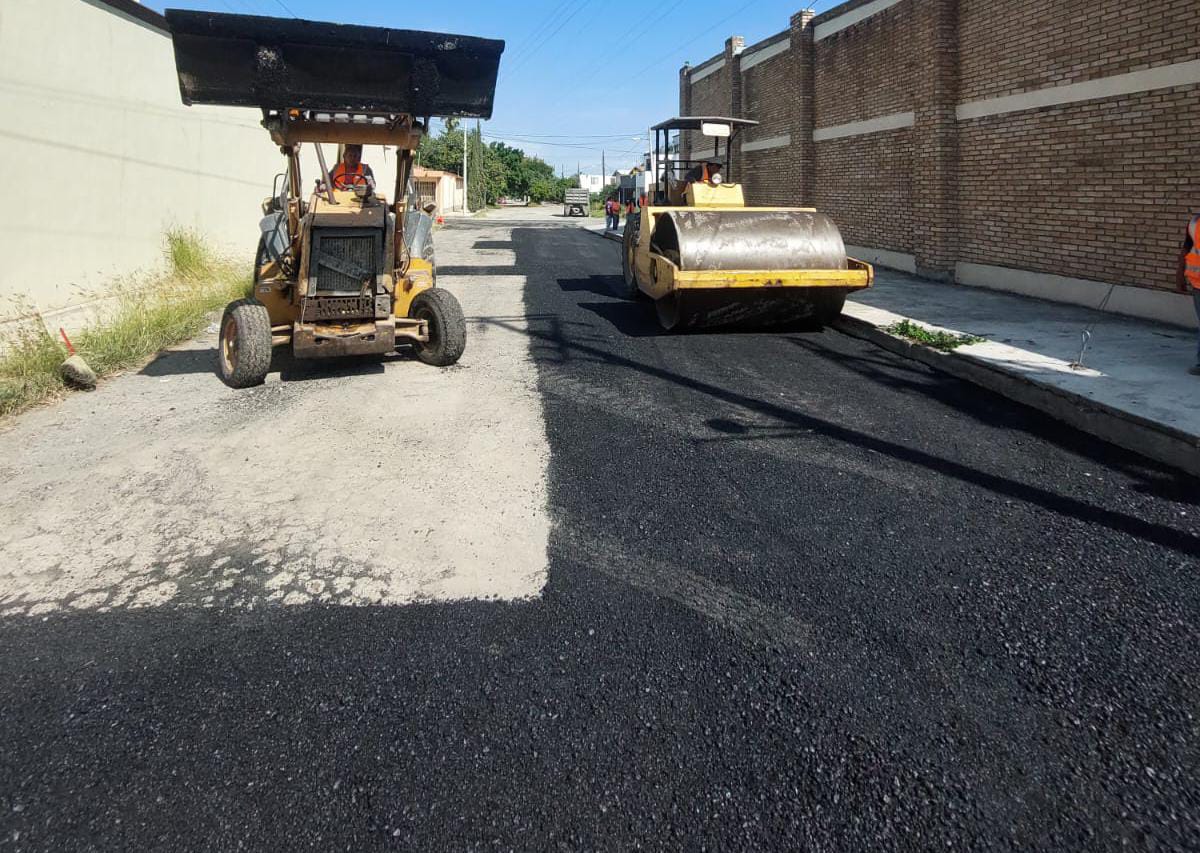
(494,170)
(443,152)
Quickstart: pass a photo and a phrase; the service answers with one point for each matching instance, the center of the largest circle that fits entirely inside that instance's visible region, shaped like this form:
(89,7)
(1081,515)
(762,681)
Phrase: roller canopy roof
(282,63)
(694,122)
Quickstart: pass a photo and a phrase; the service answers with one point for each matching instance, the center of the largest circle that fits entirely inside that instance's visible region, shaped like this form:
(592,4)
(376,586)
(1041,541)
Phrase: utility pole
(466,203)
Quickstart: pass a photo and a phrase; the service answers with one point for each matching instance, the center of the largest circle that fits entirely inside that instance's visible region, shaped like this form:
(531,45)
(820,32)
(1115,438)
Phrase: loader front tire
(244,349)
(447,327)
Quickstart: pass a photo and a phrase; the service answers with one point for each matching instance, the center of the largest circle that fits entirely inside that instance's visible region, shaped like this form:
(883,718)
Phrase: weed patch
(147,317)
(939,340)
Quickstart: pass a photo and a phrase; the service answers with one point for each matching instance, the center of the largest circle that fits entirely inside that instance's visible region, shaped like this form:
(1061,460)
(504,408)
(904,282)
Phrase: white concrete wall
(104,157)
(593,183)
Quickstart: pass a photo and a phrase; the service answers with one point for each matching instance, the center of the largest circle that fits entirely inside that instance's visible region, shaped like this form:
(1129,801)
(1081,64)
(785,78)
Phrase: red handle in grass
(66,340)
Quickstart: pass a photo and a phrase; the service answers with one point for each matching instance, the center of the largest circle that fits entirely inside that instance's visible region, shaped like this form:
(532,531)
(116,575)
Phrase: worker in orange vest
(1188,276)
(612,214)
(352,171)
(709,173)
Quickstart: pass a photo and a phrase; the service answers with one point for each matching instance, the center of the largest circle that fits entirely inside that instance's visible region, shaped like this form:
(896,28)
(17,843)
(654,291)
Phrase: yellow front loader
(706,259)
(344,271)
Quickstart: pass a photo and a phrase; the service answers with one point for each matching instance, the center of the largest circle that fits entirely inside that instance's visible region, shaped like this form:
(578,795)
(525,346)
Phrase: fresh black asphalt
(803,594)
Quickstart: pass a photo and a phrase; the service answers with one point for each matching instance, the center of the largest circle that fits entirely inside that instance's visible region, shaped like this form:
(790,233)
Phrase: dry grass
(148,317)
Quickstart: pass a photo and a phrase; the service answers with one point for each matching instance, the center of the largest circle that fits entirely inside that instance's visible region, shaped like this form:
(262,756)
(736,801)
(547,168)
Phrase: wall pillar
(685,108)
(802,177)
(935,140)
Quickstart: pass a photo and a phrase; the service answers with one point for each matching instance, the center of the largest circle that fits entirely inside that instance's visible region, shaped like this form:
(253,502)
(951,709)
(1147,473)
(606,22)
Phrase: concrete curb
(607,235)
(1147,438)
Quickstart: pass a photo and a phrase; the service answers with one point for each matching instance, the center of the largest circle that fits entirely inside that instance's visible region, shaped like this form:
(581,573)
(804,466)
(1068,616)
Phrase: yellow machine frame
(658,276)
(283,294)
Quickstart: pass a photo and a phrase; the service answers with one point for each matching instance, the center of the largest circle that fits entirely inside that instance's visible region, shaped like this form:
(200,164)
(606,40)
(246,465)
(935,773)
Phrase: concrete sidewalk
(607,233)
(1134,389)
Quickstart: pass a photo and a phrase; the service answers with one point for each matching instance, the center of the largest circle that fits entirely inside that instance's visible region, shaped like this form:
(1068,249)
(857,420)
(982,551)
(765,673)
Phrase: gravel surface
(802,594)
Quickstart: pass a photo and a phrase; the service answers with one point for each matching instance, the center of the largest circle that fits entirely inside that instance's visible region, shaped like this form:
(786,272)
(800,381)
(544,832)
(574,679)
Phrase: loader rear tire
(447,327)
(244,348)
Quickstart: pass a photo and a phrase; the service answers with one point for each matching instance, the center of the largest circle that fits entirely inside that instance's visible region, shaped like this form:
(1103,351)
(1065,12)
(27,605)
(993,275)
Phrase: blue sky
(578,76)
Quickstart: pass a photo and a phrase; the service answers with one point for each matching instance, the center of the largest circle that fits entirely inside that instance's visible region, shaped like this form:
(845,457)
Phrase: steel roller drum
(756,240)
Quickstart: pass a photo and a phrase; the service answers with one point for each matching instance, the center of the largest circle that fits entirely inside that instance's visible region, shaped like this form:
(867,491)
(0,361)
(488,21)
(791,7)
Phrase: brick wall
(1098,190)
(770,177)
(1068,41)
(711,94)
(867,70)
(866,187)
(865,182)
(1077,182)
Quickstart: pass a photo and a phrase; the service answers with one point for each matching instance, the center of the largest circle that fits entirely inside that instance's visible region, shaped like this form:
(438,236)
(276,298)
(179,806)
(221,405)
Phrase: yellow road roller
(707,260)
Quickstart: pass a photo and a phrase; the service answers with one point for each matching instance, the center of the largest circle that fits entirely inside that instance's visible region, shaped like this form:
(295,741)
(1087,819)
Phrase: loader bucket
(278,63)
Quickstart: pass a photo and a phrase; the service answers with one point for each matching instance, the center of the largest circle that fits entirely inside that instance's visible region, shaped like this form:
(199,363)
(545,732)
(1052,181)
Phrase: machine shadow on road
(601,285)
(553,338)
(479,272)
(636,319)
(911,377)
(182,362)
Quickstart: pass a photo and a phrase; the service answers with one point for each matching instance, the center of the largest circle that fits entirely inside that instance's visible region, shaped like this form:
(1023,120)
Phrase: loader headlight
(717,181)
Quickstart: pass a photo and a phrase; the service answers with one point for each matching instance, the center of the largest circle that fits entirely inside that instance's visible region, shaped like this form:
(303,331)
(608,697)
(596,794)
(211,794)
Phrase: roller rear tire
(447,327)
(828,306)
(628,255)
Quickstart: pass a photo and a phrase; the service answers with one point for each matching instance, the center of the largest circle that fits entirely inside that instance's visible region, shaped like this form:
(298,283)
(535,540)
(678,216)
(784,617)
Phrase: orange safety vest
(1191,270)
(339,174)
(707,175)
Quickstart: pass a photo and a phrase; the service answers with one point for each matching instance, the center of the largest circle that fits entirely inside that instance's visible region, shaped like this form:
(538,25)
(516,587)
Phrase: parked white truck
(576,202)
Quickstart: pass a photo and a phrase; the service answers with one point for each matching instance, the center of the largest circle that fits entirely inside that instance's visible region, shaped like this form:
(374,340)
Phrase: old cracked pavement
(594,588)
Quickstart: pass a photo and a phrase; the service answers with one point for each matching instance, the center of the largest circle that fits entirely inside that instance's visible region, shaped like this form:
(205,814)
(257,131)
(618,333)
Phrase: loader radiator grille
(339,308)
(345,263)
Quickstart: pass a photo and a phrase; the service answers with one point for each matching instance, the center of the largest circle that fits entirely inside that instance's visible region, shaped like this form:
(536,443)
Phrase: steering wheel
(349,180)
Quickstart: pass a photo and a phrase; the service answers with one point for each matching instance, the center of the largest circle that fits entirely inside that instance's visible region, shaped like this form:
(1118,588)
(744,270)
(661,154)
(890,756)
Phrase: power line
(585,146)
(581,143)
(690,42)
(590,147)
(583,5)
(285,8)
(647,28)
(545,24)
(577,33)
(539,30)
(579,136)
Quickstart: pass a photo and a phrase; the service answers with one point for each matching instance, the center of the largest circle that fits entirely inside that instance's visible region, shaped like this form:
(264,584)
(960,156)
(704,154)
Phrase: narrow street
(596,587)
